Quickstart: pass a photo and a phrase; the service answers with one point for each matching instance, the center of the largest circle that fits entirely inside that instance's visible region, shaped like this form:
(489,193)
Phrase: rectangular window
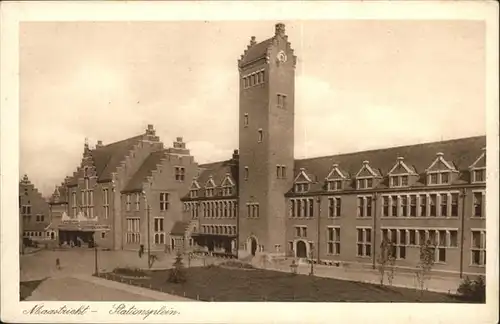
(433,178)
(385,206)
(311,207)
(412,237)
(164,203)
(413,205)
(361,209)
(369,183)
(445,178)
(180,173)
(368,201)
(246,173)
(133,230)
(478,247)
(444,205)
(333,242)
(245,120)
(283,172)
(128,202)
(404,180)
(454,204)
(363,242)
(404,206)
(394,200)
(479,175)
(478,204)
(432,201)
(261,136)
(423,205)
(137,201)
(394,181)
(453,239)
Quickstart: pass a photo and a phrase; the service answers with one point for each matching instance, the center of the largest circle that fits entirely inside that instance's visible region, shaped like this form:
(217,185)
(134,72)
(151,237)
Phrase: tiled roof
(107,158)
(461,152)
(256,51)
(179,228)
(218,172)
(145,170)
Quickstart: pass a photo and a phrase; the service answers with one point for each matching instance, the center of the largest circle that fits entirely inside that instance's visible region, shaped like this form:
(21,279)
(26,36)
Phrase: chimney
(150,130)
(99,144)
(279,29)
(236,155)
(252,41)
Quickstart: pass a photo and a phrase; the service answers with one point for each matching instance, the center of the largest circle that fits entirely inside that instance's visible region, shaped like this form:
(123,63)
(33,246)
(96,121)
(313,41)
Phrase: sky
(360,85)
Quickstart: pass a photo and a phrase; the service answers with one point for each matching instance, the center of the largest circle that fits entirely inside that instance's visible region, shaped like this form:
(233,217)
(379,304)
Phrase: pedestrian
(58,264)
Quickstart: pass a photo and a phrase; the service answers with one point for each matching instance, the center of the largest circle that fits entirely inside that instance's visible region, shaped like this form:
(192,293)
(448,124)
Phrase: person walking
(58,264)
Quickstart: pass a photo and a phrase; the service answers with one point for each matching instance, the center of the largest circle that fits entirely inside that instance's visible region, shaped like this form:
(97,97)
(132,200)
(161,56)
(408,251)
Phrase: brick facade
(263,201)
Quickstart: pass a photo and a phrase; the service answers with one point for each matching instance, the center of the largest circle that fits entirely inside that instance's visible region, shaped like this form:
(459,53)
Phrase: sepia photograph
(272,161)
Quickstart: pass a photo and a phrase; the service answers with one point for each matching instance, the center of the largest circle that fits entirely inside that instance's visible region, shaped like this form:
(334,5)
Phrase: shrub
(473,291)
(237,264)
(178,273)
(132,272)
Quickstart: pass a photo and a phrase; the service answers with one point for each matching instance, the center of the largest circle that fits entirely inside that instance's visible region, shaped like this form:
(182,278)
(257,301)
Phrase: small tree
(178,273)
(425,264)
(382,260)
(386,261)
(391,263)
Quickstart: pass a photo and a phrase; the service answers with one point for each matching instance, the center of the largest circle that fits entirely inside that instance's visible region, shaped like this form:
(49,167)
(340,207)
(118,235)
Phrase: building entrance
(76,238)
(301,249)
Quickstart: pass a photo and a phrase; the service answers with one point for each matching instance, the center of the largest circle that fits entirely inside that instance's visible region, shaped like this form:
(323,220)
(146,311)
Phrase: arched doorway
(253,245)
(301,249)
(52,235)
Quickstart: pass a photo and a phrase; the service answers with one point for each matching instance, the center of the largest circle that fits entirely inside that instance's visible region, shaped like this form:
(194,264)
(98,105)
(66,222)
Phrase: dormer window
(365,183)
(227,185)
(335,179)
(399,181)
(210,187)
(209,192)
(479,175)
(478,169)
(302,182)
(400,174)
(439,173)
(365,176)
(193,193)
(334,185)
(438,178)
(301,187)
(227,191)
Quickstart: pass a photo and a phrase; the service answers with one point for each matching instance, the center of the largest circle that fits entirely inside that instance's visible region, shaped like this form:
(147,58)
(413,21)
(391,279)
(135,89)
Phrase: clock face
(281,56)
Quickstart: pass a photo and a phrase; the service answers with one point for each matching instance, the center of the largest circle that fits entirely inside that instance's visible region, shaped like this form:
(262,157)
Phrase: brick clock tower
(266,143)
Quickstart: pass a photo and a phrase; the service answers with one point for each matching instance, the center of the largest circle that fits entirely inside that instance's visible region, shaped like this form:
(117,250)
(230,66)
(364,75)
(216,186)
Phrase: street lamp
(96,270)
(148,228)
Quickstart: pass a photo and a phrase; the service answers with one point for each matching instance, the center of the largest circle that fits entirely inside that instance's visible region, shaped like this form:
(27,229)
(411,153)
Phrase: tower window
(260,136)
(246,120)
(246,173)
(281,101)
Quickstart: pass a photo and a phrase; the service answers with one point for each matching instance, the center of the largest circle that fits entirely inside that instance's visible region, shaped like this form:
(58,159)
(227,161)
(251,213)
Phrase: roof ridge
(118,142)
(395,147)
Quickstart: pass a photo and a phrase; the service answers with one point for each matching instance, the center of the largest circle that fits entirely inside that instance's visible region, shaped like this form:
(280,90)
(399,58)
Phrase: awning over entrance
(80,223)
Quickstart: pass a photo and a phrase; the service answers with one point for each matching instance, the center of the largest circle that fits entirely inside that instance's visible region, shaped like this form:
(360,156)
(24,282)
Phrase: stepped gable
(179,228)
(146,170)
(461,152)
(256,51)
